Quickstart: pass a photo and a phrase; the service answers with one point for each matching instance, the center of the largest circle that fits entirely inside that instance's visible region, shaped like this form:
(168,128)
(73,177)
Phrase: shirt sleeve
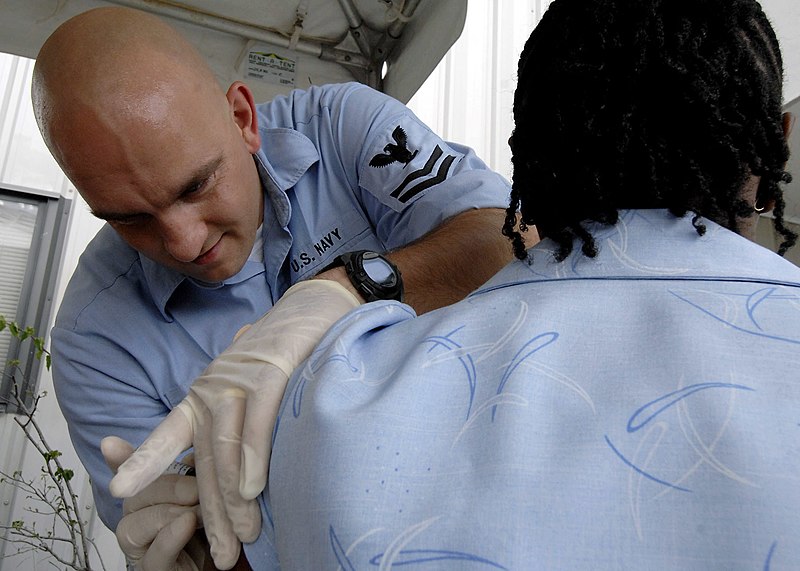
(102,391)
(410,180)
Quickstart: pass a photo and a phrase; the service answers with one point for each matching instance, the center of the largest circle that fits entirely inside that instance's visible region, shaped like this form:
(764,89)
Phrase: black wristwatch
(372,275)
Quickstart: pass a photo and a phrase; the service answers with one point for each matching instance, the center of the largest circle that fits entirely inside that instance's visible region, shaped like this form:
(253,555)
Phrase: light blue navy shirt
(344,168)
(639,410)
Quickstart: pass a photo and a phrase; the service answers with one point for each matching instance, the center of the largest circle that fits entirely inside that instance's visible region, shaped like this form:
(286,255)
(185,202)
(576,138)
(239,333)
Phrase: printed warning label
(270,66)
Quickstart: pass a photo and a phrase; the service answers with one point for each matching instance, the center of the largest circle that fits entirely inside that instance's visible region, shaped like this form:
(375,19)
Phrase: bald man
(215,207)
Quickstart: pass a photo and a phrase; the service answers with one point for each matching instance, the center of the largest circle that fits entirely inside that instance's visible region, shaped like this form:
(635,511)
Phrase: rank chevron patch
(441,175)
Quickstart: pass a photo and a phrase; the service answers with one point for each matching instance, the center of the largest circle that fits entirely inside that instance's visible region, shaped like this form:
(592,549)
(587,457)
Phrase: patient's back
(640,410)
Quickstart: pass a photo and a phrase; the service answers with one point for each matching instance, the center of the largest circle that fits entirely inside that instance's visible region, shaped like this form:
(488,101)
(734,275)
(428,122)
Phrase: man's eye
(132,221)
(195,188)
(198,187)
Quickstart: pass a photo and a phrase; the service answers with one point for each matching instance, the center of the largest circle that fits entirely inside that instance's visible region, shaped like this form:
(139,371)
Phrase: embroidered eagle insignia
(394,152)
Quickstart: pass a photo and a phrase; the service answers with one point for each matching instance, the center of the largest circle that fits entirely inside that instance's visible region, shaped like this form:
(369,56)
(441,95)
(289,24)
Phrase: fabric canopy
(276,45)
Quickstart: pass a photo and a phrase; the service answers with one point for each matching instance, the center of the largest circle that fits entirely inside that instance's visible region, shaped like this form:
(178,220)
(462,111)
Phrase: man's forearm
(445,265)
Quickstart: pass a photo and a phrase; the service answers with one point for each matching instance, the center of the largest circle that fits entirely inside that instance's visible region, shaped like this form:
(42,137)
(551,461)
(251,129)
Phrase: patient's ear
(788,121)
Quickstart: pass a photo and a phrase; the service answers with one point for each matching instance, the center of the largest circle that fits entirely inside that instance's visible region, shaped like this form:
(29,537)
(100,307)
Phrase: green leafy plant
(50,495)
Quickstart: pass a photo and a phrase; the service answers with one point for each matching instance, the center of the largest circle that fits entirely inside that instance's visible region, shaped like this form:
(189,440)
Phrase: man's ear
(243,110)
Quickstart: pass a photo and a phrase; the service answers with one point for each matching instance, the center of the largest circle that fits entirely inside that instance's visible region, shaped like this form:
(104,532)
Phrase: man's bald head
(108,66)
(139,124)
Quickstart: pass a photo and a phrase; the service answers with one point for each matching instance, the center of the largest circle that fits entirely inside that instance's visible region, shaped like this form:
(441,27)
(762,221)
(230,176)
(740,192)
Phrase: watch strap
(369,289)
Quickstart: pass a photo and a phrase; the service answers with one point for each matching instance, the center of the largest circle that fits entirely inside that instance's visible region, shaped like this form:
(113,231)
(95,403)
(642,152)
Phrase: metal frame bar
(214,22)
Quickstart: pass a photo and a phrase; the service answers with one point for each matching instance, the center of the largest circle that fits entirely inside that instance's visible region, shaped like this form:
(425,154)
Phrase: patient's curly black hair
(646,104)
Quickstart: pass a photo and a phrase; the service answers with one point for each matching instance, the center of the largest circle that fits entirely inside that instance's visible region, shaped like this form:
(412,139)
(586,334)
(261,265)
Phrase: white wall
(469,97)
(25,162)
(785,18)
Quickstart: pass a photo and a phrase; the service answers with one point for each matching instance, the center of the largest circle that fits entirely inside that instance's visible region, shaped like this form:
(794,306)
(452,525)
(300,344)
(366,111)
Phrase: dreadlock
(646,104)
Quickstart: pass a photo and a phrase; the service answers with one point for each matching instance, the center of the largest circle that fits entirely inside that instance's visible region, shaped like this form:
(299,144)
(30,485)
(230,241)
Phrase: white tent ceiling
(279,44)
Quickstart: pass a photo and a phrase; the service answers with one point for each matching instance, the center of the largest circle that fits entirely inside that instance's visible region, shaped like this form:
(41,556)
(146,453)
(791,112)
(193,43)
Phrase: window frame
(36,301)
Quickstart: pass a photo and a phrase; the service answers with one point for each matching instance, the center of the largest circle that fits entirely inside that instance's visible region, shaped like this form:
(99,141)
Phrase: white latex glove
(229,415)
(159,522)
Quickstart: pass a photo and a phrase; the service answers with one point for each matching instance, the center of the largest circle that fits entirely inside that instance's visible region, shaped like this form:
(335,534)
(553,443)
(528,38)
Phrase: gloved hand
(159,523)
(229,415)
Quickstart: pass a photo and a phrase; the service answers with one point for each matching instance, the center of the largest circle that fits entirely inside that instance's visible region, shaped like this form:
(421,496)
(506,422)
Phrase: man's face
(182,189)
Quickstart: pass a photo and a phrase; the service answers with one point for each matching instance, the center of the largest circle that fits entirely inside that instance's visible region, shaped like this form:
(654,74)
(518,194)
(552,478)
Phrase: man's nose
(183,233)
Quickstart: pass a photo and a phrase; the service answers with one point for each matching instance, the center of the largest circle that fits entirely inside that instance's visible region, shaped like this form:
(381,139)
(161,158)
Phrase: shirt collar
(291,151)
(161,281)
(653,244)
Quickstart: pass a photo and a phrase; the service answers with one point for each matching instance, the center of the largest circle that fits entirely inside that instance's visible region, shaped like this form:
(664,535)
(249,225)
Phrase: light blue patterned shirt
(639,410)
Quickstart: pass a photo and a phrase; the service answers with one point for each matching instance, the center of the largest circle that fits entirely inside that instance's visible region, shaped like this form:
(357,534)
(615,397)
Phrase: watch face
(378,270)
